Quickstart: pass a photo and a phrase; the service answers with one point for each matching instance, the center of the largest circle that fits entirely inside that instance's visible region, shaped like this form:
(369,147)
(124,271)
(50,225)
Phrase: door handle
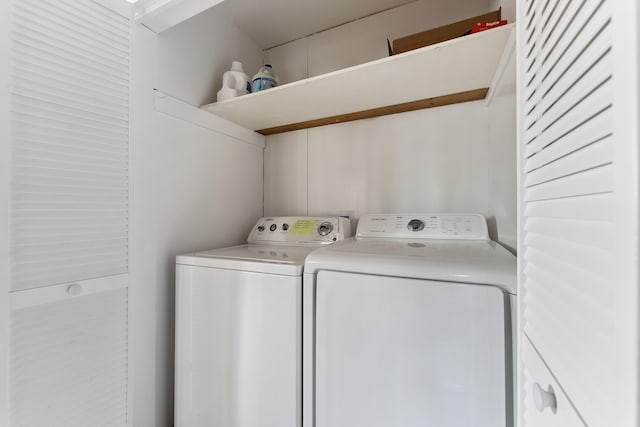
(544,398)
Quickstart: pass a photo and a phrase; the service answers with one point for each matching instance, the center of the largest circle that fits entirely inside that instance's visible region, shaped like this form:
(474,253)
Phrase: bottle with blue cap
(264,79)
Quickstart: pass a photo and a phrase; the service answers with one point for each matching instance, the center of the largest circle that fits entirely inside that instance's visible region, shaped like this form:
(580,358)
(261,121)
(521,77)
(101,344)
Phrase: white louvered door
(70,100)
(578,254)
(68,250)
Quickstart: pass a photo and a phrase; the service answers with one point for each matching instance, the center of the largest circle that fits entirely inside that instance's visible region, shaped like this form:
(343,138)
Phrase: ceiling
(273,22)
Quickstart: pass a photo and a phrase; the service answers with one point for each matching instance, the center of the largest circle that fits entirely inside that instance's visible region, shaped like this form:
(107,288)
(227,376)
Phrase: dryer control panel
(300,230)
(424,226)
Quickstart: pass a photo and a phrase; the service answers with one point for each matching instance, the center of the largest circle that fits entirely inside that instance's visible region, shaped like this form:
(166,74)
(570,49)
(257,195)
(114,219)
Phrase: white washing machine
(410,324)
(238,326)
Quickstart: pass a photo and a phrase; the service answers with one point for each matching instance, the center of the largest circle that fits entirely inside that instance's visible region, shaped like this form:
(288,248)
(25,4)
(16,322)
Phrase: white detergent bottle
(235,82)
(264,79)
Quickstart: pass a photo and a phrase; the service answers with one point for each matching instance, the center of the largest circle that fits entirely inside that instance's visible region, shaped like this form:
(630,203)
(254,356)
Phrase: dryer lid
(447,247)
(474,262)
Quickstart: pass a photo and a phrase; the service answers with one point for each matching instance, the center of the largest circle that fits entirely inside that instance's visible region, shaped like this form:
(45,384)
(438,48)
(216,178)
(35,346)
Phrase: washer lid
(463,261)
(271,259)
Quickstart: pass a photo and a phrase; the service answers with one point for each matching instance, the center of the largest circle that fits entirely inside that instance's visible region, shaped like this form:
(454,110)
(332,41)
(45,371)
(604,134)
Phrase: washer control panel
(300,230)
(424,226)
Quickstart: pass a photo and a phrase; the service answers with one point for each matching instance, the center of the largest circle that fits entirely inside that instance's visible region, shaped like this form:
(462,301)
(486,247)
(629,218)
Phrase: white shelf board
(509,51)
(454,66)
(166,104)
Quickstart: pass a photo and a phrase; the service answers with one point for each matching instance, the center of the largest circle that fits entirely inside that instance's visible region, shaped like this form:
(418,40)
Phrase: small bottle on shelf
(264,79)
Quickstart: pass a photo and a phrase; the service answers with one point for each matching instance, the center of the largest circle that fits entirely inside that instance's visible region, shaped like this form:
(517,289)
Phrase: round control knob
(273,227)
(415,225)
(325,228)
(285,227)
(261,228)
(544,398)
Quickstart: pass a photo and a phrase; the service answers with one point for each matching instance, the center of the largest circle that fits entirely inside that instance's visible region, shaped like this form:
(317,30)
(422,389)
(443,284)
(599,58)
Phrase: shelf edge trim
(438,101)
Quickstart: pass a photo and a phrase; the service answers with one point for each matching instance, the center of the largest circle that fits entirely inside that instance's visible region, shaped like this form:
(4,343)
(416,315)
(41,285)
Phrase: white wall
(427,160)
(503,212)
(5,153)
(193,55)
(192,189)
(365,39)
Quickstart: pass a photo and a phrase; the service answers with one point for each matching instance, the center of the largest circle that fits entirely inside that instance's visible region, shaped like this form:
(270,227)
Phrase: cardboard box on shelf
(440,34)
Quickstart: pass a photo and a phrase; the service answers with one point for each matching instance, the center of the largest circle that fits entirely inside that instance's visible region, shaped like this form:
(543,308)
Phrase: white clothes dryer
(410,324)
(238,325)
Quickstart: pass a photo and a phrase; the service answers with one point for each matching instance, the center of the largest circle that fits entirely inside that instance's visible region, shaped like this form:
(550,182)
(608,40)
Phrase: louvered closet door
(70,128)
(567,192)
(69,213)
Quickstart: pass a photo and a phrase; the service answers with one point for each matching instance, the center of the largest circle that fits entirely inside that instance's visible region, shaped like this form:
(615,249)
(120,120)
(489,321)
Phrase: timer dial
(325,228)
(415,225)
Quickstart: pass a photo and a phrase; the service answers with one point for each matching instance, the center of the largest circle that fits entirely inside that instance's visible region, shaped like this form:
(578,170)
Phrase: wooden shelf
(457,70)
